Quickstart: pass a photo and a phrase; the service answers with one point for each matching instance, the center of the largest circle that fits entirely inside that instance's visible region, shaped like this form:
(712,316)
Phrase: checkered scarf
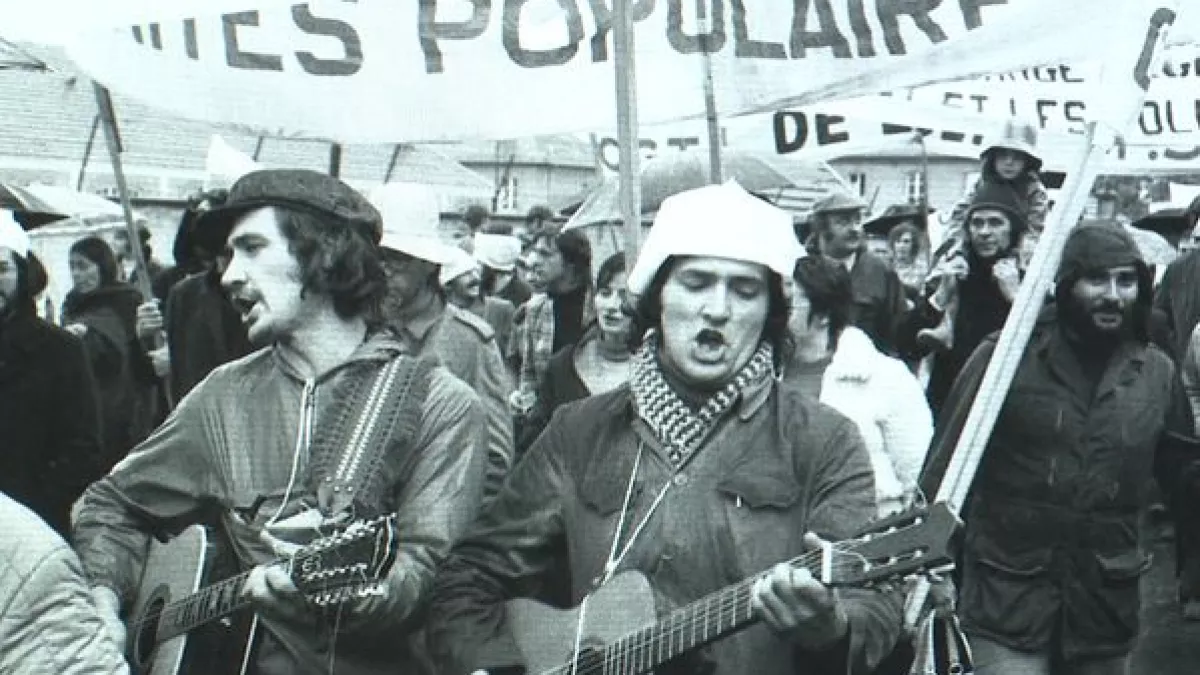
(677,426)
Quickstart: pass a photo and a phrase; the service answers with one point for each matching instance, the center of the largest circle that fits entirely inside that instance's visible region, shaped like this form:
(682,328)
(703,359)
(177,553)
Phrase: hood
(855,357)
(1003,198)
(1098,245)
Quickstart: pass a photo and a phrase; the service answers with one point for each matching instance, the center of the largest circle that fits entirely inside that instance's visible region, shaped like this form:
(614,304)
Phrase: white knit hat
(460,263)
(410,221)
(717,221)
(498,251)
(12,235)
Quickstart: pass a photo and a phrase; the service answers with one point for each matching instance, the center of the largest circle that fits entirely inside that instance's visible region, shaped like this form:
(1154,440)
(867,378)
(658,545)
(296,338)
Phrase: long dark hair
(647,313)
(32,279)
(100,254)
(335,260)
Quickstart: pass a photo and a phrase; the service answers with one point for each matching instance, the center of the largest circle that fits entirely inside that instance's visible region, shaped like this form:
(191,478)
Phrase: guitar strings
(601,661)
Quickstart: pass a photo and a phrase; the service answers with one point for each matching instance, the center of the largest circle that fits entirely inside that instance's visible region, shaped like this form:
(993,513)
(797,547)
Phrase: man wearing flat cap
(415,308)
(327,424)
(700,472)
(879,304)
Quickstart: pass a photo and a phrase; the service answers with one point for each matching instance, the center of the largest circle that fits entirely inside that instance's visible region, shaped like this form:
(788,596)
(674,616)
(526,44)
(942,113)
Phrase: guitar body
(173,571)
(546,635)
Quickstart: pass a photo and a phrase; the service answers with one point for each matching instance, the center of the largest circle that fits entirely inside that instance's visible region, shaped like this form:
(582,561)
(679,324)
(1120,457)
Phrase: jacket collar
(1054,349)
(379,346)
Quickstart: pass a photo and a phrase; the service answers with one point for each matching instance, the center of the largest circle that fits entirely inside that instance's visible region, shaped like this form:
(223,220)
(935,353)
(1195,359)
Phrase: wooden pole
(712,119)
(629,169)
(1013,338)
(112,139)
(87,154)
(335,159)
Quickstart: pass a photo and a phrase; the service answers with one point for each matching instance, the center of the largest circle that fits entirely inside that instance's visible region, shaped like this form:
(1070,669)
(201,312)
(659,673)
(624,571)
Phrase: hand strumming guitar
(792,602)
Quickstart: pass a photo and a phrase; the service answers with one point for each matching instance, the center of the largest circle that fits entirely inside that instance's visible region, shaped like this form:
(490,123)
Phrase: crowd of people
(744,392)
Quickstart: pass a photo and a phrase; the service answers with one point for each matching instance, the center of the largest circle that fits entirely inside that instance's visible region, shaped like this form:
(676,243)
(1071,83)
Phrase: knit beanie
(1003,198)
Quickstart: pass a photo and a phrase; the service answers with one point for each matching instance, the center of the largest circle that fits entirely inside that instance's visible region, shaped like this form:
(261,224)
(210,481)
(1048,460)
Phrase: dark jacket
(127,395)
(49,418)
(560,385)
(776,466)
(203,331)
(879,303)
(1178,299)
(982,310)
(1052,552)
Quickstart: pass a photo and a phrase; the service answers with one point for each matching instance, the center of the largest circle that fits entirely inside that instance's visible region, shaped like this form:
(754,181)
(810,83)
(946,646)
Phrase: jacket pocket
(1008,591)
(764,519)
(1108,611)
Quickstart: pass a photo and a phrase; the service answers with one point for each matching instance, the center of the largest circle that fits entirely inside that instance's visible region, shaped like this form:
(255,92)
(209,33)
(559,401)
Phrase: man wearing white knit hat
(415,308)
(701,471)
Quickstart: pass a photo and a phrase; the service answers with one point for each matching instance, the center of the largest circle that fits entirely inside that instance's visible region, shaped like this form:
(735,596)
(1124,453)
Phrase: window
(507,199)
(914,186)
(858,181)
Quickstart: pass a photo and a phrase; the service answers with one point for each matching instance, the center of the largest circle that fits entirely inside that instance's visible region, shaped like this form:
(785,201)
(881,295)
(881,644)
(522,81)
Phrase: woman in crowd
(838,365)
(101,311)
(596,364)
(910,259)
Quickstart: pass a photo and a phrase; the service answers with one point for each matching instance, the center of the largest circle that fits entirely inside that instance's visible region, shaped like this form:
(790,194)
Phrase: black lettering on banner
(234,56)
(190,46)
(979,100)
(1182,155)
(861,29)
(889,10)
(1161,18)
(537,58)
(683,142)
(603,148)
(683,43)
(970,10)
(156,36)
(1074,111)
(137,35)
(787,140)
(604,23)
(890,129)
(429,30)
(1065,71)
(1154,127)
(350,64)
(827,36)
(1170,105)
(951,96)
(825,131)
(1041,104)
(743,46)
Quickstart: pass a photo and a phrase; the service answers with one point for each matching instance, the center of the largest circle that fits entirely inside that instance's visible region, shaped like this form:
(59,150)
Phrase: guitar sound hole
(146,638)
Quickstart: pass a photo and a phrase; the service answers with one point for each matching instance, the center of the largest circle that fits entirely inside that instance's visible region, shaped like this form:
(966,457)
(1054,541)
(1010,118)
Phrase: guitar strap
(372,414)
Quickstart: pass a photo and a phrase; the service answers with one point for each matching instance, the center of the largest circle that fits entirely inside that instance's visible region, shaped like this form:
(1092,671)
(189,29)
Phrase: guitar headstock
(917,541)
(347,564)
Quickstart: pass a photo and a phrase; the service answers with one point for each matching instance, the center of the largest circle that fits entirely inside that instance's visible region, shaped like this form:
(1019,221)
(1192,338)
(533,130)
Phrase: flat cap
(838,201)
(302,190)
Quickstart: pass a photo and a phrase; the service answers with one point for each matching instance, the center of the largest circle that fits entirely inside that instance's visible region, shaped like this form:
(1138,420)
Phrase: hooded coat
(1052,551)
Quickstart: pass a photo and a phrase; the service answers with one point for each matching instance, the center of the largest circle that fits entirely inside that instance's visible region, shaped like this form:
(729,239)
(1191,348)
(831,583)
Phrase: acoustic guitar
(887,551)
(177,598)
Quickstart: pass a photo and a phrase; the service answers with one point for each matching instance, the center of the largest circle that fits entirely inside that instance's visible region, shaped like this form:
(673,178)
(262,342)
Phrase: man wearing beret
(263,445)
(700,472)
(1052,554)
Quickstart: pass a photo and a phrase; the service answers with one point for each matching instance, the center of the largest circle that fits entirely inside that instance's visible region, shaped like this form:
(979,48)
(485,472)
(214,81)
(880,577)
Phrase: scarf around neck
(678,427)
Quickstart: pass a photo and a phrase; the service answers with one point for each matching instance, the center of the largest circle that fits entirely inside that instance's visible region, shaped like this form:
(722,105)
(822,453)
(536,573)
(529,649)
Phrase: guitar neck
(208,604)
(708,619)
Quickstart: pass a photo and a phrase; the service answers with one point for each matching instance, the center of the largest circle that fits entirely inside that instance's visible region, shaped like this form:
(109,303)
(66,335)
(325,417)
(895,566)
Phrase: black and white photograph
(600,337)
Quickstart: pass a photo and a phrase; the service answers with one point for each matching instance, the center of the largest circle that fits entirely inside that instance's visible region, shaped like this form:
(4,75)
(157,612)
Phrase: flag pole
(112,137)
(629,170)
(712,120)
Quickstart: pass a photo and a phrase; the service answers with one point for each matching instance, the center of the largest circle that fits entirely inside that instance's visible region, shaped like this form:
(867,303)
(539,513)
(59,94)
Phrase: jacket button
(680,479)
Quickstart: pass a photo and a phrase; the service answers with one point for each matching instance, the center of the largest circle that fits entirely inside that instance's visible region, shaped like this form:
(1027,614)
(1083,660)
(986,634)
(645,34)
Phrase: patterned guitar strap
(371,413)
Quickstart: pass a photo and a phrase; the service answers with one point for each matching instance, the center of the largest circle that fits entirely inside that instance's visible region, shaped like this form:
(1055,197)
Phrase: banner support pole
(629,169)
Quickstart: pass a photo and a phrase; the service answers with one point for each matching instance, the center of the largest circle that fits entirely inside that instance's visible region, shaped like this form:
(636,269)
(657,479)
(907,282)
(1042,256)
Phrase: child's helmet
(1018,136)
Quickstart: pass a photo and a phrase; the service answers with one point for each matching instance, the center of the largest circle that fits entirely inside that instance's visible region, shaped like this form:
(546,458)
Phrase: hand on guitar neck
(792,602)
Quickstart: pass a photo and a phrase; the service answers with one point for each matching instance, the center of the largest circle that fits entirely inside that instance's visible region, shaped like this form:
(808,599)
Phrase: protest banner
(380,71)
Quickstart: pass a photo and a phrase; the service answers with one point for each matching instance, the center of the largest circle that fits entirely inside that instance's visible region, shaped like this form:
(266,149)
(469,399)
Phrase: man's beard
(1081,321)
